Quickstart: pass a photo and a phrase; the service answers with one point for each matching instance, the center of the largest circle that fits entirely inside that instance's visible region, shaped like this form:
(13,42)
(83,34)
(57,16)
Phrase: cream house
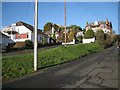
(21,31)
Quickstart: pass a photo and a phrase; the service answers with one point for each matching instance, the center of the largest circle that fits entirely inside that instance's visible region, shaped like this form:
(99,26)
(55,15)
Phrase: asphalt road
(98,70)
(27,50)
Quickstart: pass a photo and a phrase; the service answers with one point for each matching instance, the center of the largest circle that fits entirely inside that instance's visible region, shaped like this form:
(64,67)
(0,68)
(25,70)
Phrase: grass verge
(20,65)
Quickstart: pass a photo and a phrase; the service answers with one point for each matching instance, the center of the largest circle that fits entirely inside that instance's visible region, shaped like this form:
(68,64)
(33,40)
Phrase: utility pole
(35,35)
(65,19)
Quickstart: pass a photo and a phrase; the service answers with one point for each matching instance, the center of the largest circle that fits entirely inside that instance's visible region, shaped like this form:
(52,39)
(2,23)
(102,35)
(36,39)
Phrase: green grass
(20,65)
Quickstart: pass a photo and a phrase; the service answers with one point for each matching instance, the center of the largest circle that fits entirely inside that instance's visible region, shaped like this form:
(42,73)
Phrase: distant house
(52,32)
(106,26)
(21,31)
(59,33)
(4,41)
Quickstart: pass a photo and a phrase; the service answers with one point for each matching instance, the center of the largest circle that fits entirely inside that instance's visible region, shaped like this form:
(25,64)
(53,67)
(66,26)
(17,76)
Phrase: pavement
(97,70)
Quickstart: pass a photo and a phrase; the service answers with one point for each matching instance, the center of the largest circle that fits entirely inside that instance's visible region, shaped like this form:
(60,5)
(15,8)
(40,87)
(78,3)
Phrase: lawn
(20,65)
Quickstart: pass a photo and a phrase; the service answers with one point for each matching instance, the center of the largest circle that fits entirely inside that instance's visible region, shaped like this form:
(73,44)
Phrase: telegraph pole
(35,35)
(65,19)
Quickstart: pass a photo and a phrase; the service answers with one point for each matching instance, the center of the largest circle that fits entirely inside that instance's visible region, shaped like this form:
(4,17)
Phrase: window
(21,36)
(16,36)
(24,35)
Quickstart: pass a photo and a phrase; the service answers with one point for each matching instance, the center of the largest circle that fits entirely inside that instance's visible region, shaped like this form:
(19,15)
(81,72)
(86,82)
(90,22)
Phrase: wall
(88,40)
(70,42)
(21,30)
(4,40)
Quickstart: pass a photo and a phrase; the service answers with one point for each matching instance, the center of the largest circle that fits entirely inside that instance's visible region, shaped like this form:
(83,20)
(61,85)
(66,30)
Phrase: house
(21,31)
(4,41)
(58,33)
(106,26)
(53,34)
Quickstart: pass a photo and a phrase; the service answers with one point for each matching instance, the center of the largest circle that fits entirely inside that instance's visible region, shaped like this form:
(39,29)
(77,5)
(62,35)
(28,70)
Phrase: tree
(99,35)
(74,28)
(89,34)
(71,36)
(117,38)
(48,26)
(84,31)
(103,39)
(44,41)
(56,27)
(61,28)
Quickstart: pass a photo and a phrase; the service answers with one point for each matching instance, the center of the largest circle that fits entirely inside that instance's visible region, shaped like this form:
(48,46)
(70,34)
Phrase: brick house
(106,26)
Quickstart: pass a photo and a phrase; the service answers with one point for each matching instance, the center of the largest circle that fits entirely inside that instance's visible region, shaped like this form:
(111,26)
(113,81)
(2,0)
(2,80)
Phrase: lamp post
(65,19)
(35,35)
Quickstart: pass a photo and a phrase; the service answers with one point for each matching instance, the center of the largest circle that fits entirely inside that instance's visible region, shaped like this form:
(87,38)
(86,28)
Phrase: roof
(20,23)
(99,22)
(30,27)
(3,34)
(48,32)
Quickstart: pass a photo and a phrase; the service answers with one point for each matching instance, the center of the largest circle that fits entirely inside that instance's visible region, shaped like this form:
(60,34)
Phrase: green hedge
(19,65)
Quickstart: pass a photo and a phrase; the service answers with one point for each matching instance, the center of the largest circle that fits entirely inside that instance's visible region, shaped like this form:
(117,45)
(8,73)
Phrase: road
(28,50)
(97,70)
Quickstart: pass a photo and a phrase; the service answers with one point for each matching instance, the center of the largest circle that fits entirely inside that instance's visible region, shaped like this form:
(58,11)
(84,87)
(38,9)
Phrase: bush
(19,65)
(29,44)
(89,34)
(103,39)
(71,36)
(79,38)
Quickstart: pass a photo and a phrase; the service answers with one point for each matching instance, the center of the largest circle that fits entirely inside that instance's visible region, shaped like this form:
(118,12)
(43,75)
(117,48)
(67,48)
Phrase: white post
(65,19)
(35,33)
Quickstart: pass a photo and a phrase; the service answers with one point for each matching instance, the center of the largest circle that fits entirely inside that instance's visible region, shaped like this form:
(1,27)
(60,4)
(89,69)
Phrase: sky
(77,13)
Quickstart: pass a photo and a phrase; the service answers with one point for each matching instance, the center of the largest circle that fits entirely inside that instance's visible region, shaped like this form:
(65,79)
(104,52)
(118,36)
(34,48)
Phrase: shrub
(89,34)
(29,43)
(103,39)
(71,36)
(79,38)
(44,41)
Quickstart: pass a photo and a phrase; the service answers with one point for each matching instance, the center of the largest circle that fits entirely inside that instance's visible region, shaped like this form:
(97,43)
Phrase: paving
(98,70)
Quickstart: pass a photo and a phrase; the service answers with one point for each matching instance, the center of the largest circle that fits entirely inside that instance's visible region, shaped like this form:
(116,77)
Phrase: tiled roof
(99,22)
(30,27)
(48,32)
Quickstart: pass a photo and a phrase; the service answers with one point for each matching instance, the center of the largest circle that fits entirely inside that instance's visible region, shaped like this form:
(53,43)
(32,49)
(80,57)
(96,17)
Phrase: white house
(21,31)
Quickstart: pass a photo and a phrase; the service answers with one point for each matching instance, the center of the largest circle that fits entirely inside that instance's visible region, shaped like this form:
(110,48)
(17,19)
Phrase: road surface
(28,50)
(98,70)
